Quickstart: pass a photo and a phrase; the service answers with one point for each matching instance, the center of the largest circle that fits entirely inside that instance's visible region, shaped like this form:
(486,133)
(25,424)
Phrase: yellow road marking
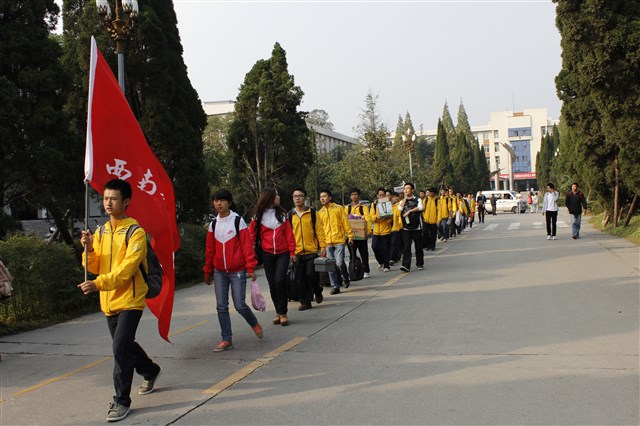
(394,280)
(188,328)
(253,366)
(64,376)
(86,367)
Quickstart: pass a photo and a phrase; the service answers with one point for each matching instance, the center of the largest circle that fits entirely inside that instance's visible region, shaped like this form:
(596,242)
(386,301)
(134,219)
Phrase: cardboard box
(359,228)
(324,264)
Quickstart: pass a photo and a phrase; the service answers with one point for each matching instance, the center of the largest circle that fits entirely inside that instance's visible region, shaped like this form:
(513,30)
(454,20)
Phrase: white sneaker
(386,269)
(553,238)
(366,275)
(548,237)
(380,267)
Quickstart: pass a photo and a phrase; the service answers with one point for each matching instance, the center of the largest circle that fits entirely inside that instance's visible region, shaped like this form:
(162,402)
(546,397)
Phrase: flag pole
(86,227)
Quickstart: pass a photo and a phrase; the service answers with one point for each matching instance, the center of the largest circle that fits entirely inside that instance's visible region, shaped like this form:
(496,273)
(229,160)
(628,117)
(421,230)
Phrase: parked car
(506,201)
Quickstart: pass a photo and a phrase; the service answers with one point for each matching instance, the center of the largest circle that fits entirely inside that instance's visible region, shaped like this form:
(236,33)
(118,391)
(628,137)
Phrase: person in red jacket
(277,246)
(229,258)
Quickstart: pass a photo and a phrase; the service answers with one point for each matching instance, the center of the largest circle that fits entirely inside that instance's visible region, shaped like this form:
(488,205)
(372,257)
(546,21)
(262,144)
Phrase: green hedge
(45,282)
(190,258)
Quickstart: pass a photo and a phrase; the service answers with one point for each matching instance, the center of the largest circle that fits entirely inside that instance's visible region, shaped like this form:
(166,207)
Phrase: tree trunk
(606,219)
(631,209)
(616,199)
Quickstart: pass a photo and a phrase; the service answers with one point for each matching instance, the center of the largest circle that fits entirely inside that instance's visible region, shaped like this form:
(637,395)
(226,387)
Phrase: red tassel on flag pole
(117,148)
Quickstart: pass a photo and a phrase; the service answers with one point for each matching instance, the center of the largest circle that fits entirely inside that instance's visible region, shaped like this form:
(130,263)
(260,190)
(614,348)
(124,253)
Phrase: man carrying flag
(117,149)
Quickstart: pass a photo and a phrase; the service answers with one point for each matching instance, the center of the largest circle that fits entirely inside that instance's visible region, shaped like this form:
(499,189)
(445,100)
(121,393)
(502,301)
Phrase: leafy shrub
(45,281)
(190,257)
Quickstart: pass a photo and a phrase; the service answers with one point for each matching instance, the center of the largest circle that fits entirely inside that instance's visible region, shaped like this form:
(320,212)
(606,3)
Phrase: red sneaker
(223,346)
(258,330)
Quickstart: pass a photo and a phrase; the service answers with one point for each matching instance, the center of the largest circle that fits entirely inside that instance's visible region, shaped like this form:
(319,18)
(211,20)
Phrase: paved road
(503,327)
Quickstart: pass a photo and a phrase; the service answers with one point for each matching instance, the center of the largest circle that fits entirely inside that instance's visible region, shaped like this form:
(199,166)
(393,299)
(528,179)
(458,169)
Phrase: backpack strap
(236,223)
(130,232)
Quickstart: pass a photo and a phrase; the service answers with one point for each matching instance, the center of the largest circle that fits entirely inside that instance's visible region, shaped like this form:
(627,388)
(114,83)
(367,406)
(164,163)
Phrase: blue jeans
(337,252)
(575,224)
(237,281)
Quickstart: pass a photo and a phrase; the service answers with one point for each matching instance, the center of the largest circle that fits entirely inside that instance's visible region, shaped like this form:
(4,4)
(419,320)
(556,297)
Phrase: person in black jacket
(575,202)
(410,208)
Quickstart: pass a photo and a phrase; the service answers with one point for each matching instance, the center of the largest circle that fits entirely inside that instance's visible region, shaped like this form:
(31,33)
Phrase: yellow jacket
(336,225)
(472,205)
(463,207)
(397,219)
(381,226)
(306,242)
(430,212)
(444,206)
(119,280)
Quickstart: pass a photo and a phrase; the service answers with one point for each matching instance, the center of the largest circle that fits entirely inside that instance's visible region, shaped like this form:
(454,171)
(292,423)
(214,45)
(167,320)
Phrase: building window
(496,146)
(497,161)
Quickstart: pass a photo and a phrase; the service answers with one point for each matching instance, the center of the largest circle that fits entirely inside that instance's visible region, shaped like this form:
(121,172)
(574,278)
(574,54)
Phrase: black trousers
(396,246)
(128,355)
(493,209)
(381,245)
(407,238)
(307,282)
(275,269)
(552,220)
(481,212)
(363,250)
(431,234)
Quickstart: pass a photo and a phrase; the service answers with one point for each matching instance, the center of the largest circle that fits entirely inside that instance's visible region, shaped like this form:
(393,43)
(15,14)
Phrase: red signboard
(519,176)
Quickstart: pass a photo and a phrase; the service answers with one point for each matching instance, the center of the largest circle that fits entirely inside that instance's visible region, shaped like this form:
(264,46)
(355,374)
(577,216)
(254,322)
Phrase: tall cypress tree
(37,162)
(269,139)
(449,127)
(463,165)
(442,170)
(157,88)
(397,138)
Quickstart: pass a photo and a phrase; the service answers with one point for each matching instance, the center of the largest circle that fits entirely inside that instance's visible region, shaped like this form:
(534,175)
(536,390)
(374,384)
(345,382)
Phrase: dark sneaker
(346,283)
(303,307)
(403,269)
(319,298)
(148,385)
(117,412)
(223,346)
(334,290)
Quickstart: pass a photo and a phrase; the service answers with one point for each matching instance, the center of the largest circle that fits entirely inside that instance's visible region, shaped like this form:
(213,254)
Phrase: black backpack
(356,270)
(153,278)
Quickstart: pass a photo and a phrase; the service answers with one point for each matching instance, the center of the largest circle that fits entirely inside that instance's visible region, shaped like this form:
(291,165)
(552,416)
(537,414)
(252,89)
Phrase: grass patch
(631,232)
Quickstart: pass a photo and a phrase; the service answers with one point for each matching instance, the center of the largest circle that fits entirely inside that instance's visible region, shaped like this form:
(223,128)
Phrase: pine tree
(442,170)
(157,88)
(599,85)
(449,127)
(269,139)
(38,163)
(397,138)
(482,168)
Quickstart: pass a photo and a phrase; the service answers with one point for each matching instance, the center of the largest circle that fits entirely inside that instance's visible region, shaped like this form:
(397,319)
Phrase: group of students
(275,237)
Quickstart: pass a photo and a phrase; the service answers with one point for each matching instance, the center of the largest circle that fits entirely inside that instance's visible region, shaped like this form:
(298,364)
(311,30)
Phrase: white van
(505,201)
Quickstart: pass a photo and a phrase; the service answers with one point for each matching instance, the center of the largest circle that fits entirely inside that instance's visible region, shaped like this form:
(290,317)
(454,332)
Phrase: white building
(326,139)
(522,132)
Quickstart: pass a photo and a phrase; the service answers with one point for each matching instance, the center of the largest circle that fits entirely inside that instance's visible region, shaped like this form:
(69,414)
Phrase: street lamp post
(120,28)
(412,139)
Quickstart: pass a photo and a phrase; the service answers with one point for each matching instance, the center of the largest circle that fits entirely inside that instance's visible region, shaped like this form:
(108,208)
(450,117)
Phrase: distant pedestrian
(430,217)
(535,203)
(575,202)
(518,203)
(396,231)
(472,209)
(550,210)
(336,231)
(494,201)
(411,207)
(444,205)
(358,211)
(480,202)
(382,225)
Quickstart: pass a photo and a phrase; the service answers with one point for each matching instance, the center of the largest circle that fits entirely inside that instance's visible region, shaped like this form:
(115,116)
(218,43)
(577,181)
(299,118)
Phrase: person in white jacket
(550,210)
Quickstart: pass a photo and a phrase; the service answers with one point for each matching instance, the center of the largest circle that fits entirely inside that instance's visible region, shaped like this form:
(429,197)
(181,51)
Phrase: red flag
(117,148)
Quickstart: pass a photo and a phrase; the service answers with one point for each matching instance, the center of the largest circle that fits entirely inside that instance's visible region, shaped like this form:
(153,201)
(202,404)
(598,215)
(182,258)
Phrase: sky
(413,55)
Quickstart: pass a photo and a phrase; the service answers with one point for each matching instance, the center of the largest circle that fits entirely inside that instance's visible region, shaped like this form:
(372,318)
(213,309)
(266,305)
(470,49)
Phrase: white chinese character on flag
(119,170)
(147,181)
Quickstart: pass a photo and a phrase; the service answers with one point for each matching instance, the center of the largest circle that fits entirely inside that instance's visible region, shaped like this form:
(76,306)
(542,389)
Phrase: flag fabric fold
(117,148)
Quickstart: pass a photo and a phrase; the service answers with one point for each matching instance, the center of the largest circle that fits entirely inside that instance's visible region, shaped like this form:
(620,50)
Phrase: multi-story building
(516,134)
(326,139)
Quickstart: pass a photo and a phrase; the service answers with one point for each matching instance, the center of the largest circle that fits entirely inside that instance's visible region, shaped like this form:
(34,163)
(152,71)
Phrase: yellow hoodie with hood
(119,280)
(336,225)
